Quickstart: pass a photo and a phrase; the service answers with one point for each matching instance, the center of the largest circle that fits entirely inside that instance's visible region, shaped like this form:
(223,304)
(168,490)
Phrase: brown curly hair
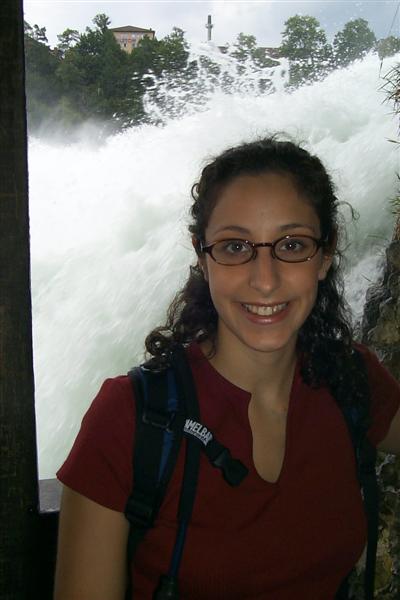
(325,339)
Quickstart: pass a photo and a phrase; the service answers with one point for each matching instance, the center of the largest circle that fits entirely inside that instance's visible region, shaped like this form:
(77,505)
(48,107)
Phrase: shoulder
(111,413)
(114,400)
(99,465)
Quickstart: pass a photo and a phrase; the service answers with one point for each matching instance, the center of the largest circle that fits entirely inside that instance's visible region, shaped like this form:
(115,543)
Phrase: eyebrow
(285,227)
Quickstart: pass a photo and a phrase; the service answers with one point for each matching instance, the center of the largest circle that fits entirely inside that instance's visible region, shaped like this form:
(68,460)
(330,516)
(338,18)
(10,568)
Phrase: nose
(264,272)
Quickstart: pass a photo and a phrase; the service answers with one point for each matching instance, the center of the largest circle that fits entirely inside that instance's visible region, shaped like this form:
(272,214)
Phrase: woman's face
(262,304)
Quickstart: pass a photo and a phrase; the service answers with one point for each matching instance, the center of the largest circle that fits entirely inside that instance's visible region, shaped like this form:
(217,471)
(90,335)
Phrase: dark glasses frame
(208,248)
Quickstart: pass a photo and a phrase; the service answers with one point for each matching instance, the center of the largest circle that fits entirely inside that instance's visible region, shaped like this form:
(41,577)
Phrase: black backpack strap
(358,420)
(168,586)
(165,402)
(157,438)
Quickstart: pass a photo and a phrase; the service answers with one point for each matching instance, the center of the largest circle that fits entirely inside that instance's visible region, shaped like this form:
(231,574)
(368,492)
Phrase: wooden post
(19,521)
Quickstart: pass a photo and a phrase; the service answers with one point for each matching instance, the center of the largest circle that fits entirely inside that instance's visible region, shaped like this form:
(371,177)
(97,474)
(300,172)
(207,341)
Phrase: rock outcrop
(381,332)
(381,322)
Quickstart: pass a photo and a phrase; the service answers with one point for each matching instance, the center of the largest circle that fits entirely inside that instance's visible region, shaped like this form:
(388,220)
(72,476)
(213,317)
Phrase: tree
(174,51)
(353,42)
(244,47)
(305,45)
(35,33)
(388,46)
(146,68)
(42,87)
(102,22)
(247,51)
(94,72)
(67,40)
(163,76)
(160,57)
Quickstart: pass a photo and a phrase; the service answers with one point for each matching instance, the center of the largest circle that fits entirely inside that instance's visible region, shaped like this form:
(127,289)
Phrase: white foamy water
(108,226)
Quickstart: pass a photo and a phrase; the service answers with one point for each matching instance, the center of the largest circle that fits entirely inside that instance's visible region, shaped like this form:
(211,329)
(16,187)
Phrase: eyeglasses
(290,249)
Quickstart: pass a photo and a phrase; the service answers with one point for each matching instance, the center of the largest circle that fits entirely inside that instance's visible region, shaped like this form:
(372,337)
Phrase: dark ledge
(49,495)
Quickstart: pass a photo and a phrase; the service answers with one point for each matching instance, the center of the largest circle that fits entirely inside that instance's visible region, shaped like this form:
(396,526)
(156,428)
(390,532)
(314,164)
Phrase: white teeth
(265,311)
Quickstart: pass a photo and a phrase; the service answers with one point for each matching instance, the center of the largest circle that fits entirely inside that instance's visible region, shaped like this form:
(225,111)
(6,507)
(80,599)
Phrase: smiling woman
(264,206)
(281,383)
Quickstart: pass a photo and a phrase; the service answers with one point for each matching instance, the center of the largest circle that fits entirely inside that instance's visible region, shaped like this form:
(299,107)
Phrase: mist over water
(108,224)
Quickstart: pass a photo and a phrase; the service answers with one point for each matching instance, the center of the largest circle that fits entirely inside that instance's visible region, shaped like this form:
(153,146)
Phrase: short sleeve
(385,396)
(99,465)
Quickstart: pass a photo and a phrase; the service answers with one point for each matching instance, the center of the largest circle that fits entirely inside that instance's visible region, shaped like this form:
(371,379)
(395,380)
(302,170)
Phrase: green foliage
(67,40)
(392,89)
(248,60)
(93,72)
(162,76)
(42,85)
(36,33)
(174,51)
(353,42)
(88,76)
(388,46)
(244,47)
(102,22)
(85,77)
(246,51)
(305,45)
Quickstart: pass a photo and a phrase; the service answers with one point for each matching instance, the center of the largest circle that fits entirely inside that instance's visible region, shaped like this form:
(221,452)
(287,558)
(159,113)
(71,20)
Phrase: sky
(262,18)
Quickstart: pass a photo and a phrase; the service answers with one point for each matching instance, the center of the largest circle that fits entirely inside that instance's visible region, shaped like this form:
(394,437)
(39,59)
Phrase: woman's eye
(235,247)
(292,246)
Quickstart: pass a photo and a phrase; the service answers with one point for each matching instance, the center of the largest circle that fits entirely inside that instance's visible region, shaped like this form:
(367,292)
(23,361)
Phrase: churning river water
(108,224)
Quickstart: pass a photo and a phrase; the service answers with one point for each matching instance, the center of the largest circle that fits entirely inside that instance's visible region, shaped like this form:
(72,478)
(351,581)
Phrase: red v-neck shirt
(295,539)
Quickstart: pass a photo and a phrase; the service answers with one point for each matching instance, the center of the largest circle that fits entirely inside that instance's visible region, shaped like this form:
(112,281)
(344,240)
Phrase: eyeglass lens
(288,249)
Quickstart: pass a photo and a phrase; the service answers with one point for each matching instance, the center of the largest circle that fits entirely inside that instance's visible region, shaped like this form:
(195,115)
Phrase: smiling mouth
(264,311)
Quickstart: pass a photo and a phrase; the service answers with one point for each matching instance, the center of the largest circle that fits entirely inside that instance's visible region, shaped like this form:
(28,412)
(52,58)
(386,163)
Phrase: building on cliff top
(128,37)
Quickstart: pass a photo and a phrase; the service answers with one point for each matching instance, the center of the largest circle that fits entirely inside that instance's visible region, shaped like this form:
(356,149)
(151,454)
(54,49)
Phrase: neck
(252,370)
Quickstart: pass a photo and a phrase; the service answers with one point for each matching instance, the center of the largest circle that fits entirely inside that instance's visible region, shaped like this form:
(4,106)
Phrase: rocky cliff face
(381,322)
(381,332)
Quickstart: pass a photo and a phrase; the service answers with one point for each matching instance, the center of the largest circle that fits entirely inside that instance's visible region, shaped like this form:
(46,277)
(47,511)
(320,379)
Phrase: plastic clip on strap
(232,469)
(219,456)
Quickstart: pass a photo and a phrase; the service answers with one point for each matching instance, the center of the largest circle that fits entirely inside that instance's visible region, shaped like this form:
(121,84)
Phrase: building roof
(130,28)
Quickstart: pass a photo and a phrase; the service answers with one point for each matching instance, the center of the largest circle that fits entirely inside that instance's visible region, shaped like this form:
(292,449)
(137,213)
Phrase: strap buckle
(233,469)
(140,511)
(162,420)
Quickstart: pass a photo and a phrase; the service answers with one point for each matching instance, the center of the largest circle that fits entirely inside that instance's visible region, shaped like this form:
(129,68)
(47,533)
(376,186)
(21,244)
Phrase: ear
(203,267)
(326,263)
(196,244)
(201,258)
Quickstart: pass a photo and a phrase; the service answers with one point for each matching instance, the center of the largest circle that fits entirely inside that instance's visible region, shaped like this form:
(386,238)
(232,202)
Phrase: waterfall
(108,224)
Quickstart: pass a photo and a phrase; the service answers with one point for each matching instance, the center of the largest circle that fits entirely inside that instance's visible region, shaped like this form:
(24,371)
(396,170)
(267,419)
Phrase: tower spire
(209,26)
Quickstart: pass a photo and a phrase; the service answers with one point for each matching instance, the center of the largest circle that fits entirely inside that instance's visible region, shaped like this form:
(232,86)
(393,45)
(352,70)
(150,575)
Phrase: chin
(271,343)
